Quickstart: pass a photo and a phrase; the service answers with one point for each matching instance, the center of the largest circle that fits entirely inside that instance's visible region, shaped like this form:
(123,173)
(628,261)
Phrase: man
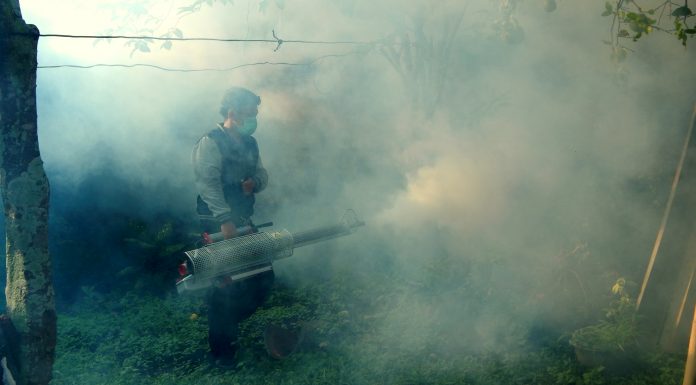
(229,173)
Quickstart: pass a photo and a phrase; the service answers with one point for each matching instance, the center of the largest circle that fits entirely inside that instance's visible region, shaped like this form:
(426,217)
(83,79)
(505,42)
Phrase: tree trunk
(25,195)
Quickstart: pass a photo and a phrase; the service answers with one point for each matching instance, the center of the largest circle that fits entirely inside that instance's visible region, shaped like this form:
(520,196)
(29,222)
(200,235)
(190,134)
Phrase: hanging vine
(632,21)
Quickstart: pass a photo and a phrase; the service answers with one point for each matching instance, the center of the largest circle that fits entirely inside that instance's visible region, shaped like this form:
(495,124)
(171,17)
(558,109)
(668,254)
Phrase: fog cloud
(492,155)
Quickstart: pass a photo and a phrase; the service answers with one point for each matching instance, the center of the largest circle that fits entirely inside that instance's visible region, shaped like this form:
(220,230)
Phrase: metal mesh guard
(240,253)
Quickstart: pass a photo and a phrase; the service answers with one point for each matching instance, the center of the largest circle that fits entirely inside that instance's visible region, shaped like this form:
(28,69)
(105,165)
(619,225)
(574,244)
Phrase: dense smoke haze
(490,164)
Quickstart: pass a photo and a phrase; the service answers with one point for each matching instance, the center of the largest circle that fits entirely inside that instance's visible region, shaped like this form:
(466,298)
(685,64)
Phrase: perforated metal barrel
(240,253)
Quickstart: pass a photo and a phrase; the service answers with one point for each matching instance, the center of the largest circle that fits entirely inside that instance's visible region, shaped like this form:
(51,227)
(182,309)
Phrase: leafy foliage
(613,341)
(629,21)
(144,19)
(119,340)
(154,251)
(146,339)
(641,21)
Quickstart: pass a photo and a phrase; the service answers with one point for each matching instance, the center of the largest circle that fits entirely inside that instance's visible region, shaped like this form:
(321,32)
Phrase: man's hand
(229,230)
(248,186)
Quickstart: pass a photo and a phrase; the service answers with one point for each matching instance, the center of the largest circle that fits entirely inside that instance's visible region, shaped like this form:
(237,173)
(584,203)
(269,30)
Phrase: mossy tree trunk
(25,195)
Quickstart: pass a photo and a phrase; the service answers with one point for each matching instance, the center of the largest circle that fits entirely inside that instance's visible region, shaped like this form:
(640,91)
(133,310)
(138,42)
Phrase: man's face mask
(248,126)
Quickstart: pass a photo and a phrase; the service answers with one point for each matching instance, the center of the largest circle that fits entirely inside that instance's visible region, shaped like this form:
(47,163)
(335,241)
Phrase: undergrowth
(350,336)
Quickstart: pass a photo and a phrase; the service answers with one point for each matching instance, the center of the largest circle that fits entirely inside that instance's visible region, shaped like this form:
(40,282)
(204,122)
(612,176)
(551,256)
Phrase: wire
(192,69)
(165,68)
(275,41)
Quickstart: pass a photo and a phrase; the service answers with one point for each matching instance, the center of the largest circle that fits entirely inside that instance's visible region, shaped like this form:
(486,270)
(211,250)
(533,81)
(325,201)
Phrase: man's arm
(260,178)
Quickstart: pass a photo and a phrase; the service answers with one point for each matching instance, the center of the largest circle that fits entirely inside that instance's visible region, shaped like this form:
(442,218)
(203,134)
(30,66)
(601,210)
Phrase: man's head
(239,108)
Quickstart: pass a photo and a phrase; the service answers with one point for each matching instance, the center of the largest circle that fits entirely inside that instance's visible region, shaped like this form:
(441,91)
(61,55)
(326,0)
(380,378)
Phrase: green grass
(357,332)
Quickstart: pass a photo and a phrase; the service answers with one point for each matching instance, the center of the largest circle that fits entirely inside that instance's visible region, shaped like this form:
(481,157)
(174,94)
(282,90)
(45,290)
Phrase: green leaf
(606,13)
(690,31)
(631,16)
(167,44)
(622,33)
(177,32)
(608,7)
(636,27)
(682,11)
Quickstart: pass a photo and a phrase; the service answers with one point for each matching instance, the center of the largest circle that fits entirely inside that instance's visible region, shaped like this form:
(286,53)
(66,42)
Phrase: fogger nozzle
(248,255)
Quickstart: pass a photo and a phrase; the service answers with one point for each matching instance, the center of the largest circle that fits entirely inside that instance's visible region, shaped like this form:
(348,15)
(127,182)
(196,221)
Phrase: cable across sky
(193,69)
(276,40)
(204,39)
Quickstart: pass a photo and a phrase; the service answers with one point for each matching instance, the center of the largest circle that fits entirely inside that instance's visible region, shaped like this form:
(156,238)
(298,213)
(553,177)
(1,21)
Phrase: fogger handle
(243,230)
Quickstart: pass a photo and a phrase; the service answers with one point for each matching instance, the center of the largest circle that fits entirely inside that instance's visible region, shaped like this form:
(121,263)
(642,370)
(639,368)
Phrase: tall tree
(25,195)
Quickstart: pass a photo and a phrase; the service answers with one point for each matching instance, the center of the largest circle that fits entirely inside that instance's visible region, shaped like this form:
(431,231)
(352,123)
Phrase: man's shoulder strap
(216,134)
(221,139)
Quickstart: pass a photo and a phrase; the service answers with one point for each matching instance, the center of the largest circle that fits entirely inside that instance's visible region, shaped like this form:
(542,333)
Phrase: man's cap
(238,98)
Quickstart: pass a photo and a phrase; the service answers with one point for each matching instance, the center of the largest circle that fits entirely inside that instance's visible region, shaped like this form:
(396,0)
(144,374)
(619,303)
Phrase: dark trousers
(231,304)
